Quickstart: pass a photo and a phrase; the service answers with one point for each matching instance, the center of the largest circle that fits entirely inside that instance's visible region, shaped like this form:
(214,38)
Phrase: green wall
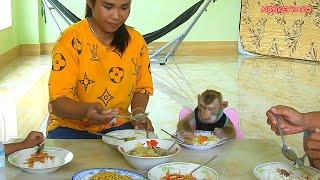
(218,23)
(9,37)
(25,29)
(28,22)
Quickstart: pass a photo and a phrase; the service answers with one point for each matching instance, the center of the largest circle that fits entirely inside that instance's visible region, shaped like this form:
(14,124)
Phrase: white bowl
(126,133)
(183,168)
(61,157)
(268,171)
(146,163)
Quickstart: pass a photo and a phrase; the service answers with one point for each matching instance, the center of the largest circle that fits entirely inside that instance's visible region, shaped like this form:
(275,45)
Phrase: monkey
(207,116)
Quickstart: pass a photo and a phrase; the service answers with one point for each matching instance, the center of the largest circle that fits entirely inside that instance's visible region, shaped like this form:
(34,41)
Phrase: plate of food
(48,160)
(281,170)
(201,140)
(114,138)
(181,170)
(107,173)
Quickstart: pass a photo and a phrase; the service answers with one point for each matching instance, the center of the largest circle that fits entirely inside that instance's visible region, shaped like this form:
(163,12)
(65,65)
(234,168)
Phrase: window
(5,14)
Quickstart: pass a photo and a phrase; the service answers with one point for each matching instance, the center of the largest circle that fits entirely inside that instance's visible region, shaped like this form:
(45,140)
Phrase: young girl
(100,68)
(208,116)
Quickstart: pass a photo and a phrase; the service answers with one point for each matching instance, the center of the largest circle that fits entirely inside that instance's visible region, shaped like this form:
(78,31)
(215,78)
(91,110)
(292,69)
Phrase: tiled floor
(251,85)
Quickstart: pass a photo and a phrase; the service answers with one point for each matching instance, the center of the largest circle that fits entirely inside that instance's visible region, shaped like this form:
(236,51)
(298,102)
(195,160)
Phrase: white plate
(269,171)
(61,157)
(208,145)
(86,174)
(127,133)
(204,173)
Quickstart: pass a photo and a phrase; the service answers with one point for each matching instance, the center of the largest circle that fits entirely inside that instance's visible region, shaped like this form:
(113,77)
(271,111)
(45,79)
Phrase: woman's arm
(139,102)
(70,109)
(92,113)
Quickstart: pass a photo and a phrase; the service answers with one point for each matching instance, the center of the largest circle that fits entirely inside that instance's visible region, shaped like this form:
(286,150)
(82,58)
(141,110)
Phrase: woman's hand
(143,124)
(34,138)
(291,121)
(97,115)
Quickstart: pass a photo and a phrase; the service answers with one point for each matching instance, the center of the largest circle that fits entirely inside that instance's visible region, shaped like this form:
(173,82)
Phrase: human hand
(312,149)
(34,138)
(97,115)
(143,124)
(291,121)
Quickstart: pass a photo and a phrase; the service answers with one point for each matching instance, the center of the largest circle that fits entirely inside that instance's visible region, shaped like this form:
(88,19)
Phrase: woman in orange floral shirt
(100,68)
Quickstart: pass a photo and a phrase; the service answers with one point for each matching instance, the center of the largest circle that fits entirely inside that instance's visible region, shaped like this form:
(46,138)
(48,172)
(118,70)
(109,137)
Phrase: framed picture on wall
(5,14)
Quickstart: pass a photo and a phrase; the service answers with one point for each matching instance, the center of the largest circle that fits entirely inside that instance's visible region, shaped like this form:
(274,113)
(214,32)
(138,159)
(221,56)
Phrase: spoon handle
(107,135)
(279,128)
(204,164)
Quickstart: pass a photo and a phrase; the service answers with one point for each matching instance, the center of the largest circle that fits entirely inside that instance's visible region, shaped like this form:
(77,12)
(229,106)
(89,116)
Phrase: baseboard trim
(9,56)
(46,48)
(29,49)
(25,50)
(201,48)
(187,48)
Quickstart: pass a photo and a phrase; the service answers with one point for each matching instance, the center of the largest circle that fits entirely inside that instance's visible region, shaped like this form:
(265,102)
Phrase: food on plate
(109,176)
(283,174)
(200,140)
(41,157)
(130,138)
(150,151)
(177,176)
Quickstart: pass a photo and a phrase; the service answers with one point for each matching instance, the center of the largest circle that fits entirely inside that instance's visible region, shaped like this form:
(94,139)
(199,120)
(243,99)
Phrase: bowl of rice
(143,154)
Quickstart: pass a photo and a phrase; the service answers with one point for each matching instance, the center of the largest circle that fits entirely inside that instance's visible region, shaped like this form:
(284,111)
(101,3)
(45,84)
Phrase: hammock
(68,16)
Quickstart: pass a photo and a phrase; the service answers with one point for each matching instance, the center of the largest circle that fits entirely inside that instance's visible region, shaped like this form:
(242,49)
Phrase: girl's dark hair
(121,37)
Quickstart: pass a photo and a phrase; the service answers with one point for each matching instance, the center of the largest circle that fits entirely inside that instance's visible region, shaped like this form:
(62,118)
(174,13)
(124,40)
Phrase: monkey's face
(206,111)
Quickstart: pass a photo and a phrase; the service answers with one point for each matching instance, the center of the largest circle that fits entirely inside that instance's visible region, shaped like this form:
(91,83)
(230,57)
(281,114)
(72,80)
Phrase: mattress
(281,28)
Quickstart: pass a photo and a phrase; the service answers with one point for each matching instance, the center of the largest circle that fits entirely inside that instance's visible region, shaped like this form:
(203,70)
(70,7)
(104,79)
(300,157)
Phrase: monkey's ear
(199,98)
(224,104)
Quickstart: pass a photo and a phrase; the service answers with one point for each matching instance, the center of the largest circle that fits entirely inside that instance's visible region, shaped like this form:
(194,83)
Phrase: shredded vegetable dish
(150,151)
(109,176)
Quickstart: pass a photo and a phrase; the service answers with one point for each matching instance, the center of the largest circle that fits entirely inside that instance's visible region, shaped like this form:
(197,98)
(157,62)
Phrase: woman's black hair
(121,37)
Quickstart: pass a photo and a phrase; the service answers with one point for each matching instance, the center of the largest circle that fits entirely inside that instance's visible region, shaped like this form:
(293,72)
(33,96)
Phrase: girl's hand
(34,138)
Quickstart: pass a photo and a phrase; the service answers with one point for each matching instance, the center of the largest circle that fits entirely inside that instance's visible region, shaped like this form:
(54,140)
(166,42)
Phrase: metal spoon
(179,140)
(41,147)
(204,164)
(139,116)
(300,161)
(107,135)
(286,150)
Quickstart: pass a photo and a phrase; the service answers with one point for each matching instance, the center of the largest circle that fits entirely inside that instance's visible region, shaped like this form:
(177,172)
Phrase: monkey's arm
(184,124)
(229,130)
